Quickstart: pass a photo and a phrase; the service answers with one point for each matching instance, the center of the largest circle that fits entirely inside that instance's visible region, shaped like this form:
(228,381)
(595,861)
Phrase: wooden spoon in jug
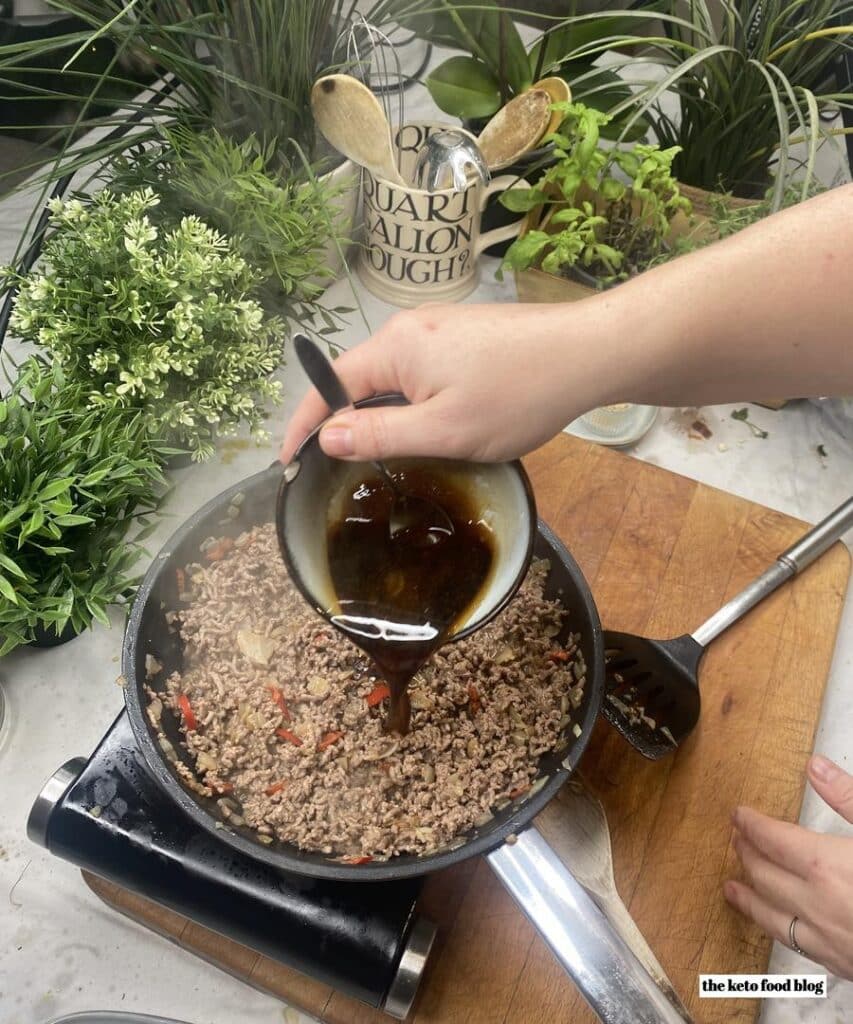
(352,120)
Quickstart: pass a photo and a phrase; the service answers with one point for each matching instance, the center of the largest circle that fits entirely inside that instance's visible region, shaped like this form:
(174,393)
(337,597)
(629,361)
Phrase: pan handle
(610,977)
(793,560)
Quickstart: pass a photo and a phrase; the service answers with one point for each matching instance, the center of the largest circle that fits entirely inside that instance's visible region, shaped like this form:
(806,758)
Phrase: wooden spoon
(352,120)
(575,826)
(559,91)
(515,129)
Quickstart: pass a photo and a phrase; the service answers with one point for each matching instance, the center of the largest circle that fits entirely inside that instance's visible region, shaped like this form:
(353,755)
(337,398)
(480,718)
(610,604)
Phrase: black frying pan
(608,974)
(147,633)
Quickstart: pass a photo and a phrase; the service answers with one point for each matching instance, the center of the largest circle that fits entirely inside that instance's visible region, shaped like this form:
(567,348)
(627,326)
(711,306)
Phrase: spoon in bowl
(408,511)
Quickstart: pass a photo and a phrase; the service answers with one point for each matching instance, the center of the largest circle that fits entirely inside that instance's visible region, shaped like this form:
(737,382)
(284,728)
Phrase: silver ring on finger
(792,936)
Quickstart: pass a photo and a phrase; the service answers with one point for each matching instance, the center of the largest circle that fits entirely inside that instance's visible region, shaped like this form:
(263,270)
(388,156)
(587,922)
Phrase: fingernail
(337,440)
(729,890)
(736,817)
(823,769)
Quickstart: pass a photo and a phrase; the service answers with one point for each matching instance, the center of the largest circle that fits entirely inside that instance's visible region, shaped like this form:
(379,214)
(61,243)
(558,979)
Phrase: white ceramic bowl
(313,486)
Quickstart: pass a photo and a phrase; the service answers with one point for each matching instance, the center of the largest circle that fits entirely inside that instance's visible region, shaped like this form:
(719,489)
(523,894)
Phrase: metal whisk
(373,59)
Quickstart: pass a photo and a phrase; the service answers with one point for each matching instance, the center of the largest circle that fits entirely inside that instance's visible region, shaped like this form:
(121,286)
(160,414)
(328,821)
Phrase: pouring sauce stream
(401,596)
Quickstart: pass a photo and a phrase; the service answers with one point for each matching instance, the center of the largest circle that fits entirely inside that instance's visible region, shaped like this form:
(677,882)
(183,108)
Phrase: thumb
(833,784)
(385,432)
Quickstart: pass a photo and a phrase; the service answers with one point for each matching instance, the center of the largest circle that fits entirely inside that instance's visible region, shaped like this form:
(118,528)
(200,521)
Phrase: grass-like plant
(74,482)
(156,318)
(748,86)
(245,68)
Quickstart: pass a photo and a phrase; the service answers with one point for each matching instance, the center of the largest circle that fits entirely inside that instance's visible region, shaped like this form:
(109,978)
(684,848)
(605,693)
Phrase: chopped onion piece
(258,649)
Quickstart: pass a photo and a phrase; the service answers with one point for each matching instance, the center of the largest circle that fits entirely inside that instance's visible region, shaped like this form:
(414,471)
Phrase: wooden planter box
(535,285)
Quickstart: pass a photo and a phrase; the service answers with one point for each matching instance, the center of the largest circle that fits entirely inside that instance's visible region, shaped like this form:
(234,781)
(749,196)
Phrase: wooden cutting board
(661,553)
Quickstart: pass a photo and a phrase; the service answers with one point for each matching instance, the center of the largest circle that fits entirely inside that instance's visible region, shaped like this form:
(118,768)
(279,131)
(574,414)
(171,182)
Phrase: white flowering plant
(158,318)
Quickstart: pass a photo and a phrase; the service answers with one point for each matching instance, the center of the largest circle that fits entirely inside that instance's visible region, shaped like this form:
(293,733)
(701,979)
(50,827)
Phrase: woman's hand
(793,871)
(486,382)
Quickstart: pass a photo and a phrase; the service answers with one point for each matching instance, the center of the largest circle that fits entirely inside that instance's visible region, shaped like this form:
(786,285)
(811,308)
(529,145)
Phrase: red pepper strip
(291,737)
(190,720)
(379,693)
(276,787)
(558,655)
(219,550)
(329,739)
(278,698)
(222,787)
(181,578)
(474,701)
(519,791)
(356,860)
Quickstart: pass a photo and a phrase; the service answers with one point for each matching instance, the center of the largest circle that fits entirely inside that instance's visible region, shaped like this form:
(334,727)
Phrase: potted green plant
(748,84)
(288,231)
(158,318)
(496,65)
(74,484)
(594,218)
(245,69)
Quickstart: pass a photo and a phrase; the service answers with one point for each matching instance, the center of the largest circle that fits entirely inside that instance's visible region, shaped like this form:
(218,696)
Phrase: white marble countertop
(62,951)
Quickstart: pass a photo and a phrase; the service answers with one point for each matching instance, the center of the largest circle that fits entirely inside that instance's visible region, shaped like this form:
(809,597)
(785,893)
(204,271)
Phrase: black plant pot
(179,461)
(46,636)
(530,167)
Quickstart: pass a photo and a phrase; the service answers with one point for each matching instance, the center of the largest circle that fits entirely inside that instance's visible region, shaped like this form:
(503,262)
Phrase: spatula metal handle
(788,564)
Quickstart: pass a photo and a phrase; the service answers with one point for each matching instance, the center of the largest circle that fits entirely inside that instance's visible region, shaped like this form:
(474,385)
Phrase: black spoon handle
(321,373)
(787,565)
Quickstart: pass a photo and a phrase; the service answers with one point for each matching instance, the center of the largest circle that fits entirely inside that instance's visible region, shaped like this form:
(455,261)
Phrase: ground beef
(288,716)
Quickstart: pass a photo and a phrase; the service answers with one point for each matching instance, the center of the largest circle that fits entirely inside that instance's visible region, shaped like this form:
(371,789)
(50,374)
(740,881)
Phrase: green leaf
(565,40)
(34,524)
(8,591)
(477,30)
(464,87)
(10,642)
(72,519)
(54,489)
(98,612)
(12,567)
(59,506)
(524,251)
(497,35)
(612,190)
(13,515)
(520,200)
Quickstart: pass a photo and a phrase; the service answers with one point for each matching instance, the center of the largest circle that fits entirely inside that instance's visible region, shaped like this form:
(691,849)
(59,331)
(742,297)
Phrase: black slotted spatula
(652,696)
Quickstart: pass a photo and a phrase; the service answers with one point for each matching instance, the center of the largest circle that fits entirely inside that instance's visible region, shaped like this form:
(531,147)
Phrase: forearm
(767,313)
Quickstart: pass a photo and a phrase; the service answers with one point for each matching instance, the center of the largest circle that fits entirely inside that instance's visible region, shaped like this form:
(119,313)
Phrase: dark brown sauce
(401,596)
